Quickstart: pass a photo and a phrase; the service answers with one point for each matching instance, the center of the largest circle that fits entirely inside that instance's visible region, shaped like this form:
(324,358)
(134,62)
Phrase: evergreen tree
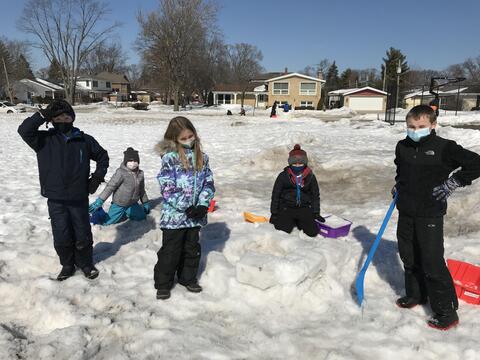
(55,71)
(348,79)
(390,62)
(332,81)
(22,69)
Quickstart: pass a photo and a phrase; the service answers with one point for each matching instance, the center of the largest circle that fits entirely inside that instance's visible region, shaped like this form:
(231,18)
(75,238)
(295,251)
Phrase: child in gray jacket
(128,187)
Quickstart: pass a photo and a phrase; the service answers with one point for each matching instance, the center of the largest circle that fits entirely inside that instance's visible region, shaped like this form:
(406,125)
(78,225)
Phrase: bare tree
(68,31)
(472,68)
(106,57)
(245,64)
(172,38)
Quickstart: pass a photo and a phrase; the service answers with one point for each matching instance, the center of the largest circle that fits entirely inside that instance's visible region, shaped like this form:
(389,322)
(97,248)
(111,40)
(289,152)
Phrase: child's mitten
(442,192)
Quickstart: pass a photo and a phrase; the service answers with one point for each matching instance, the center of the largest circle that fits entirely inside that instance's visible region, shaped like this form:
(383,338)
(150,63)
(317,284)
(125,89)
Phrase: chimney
(286,70)
(320,74)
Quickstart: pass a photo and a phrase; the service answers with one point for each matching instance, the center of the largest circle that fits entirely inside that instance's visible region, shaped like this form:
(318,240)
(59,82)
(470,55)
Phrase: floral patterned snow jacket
(181,188)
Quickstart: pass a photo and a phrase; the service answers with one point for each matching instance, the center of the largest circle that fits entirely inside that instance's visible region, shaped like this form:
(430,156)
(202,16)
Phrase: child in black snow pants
(424,181)
(296,197)
(64,155)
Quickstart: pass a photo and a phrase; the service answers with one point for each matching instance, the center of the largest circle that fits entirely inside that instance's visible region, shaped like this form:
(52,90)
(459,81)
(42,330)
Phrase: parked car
(9,108)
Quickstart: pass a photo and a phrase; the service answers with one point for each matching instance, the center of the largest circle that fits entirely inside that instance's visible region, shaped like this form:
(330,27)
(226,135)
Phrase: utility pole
(399,71)
(384,76)
(8,83)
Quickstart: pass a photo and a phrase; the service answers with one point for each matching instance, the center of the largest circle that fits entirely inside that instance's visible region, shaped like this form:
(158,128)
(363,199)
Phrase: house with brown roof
(366,99)
(300,91)
(119,84)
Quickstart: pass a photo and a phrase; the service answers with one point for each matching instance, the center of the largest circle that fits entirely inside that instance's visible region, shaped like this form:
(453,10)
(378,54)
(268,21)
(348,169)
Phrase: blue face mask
(297,169)
(416,135)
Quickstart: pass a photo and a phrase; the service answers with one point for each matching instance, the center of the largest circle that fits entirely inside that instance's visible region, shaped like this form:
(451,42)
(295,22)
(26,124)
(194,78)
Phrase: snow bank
(307,309)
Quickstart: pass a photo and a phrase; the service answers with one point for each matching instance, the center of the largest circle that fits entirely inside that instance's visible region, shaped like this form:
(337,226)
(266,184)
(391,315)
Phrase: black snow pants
(420,243)
(180,254)
(72,234)
(301,217)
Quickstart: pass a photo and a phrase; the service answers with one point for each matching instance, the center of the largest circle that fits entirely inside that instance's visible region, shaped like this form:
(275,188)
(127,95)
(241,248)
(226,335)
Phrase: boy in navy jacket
(63,155)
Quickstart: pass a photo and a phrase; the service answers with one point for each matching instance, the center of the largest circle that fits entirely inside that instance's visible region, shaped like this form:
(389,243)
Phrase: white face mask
(188,144)
(132,165)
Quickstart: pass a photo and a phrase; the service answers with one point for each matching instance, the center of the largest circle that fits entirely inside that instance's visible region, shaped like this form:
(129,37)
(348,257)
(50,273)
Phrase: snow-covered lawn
(310,312)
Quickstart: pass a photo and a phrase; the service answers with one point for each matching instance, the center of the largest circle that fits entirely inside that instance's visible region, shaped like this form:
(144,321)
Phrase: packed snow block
(334,226)
(264,271)
(466,278)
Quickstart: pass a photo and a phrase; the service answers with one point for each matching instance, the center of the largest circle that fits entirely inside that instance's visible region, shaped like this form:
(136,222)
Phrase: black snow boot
(163,294)
(444,322)
(66,272)
(193,287)
(90,272)
(408,302)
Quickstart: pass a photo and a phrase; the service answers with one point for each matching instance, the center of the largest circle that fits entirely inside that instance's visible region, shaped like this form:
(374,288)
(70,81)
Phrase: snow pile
(267,294)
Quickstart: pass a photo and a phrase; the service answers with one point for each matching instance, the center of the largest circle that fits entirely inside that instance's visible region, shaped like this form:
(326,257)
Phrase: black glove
(93,183)
(196,212)
(394,190)
(318,217)
(47,114)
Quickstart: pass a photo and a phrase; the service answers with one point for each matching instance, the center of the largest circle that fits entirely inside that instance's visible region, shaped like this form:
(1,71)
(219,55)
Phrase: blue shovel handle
(361,275)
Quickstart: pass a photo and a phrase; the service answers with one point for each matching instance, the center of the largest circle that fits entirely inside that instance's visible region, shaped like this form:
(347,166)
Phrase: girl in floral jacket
(186,185)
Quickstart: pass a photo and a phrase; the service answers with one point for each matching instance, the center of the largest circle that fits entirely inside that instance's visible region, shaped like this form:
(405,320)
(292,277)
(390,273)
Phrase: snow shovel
(361,275)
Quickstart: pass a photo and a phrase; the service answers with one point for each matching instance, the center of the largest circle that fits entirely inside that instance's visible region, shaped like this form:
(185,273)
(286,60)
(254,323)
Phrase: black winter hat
(130,155)
(59,107)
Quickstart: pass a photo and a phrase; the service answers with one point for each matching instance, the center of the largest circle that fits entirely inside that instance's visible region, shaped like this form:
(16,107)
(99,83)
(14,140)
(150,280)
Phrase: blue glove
(442,192)
(97,204)
(146,207)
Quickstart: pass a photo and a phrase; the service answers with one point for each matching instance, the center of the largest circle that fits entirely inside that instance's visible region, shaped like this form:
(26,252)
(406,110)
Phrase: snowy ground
(301,317)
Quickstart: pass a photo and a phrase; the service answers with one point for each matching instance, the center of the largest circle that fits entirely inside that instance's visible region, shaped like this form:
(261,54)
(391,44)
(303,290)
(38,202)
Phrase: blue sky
(355,33)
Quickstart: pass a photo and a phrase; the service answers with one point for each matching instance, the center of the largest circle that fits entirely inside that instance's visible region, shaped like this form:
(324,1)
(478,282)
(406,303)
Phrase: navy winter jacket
(63,162)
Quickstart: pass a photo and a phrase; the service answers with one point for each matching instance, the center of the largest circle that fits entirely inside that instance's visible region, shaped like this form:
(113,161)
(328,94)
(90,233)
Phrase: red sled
(466,278)
(211,206)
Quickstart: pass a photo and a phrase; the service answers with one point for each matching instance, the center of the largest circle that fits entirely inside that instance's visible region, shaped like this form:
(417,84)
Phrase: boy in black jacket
(424,181)
(63,155)
(296,197)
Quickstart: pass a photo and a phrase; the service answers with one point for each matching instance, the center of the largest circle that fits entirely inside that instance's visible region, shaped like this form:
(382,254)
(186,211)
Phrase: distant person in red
(273,113)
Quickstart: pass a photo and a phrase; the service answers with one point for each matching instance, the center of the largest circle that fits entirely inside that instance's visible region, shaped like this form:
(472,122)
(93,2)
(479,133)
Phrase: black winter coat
(284,194)
(423,165)
(63,163)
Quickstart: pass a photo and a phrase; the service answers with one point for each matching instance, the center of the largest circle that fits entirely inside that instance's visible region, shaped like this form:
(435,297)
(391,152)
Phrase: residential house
(28,90)
(300,91)
(94,87)
(451,98)
(365,99)
(119,84)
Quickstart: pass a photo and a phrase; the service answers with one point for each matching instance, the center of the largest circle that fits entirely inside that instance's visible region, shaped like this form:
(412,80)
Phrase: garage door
(366,103)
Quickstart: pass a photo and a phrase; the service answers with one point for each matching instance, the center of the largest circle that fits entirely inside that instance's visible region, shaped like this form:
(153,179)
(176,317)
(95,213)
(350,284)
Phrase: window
(308,88)
(108,84)
(94,83)
(280,88)
(262,98)
(87,82)
(224,99)
(306,103)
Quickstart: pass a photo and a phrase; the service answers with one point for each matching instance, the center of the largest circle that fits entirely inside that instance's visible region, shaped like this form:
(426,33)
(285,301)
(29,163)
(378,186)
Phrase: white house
(95,87)
(366,99)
